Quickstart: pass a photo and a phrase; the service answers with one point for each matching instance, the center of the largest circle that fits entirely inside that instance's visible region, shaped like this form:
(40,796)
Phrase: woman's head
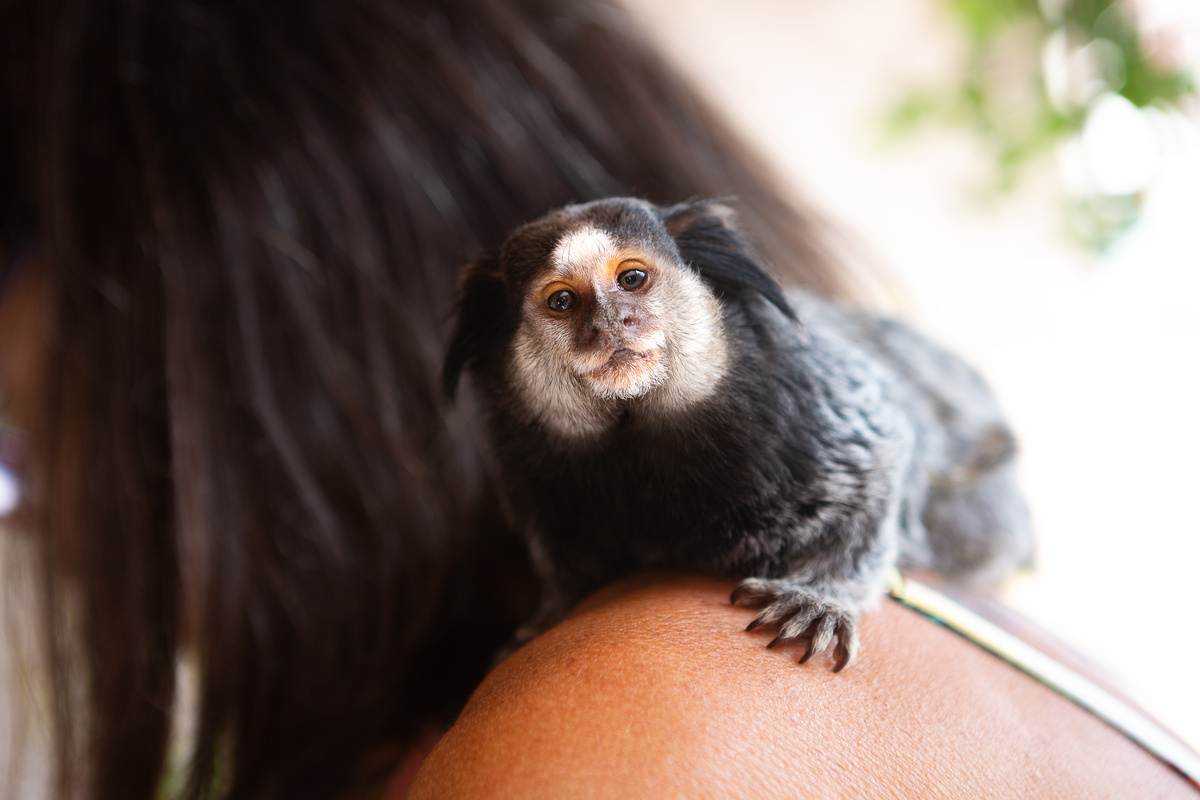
(246,220)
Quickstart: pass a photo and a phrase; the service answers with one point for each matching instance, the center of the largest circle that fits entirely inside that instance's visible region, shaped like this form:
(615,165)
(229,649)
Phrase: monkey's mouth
(624,357)
(627,373)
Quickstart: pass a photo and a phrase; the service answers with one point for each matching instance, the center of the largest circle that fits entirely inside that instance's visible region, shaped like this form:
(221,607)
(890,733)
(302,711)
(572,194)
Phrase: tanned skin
(656,402)
(649,690)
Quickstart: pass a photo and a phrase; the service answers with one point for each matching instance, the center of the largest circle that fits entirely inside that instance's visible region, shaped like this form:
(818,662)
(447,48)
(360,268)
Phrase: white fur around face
(564,390)
(550,390)
(697,353)
(581,252)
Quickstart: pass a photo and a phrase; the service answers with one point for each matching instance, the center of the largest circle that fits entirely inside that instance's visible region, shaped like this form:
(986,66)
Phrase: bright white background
(1097,360)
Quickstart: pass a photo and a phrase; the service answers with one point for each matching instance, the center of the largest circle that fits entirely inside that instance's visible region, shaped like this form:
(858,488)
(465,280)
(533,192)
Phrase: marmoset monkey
(656,402)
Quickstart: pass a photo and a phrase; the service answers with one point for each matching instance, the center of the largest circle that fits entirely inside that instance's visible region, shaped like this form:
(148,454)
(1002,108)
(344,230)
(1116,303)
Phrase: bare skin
(653,689)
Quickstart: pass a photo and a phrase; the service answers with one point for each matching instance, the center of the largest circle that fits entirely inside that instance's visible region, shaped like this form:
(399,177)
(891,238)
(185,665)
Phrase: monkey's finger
(752,591)
(772,613)
(791,630)
(801,622)
(826,629)
(765,618)
(842,657)
(847,646)
(809,651)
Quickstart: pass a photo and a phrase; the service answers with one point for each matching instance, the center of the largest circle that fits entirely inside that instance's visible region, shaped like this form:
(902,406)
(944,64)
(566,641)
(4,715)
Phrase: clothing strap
(1068,683)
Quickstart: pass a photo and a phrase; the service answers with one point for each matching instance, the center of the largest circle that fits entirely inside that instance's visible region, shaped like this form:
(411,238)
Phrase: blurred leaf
(985,19)
(1015,132)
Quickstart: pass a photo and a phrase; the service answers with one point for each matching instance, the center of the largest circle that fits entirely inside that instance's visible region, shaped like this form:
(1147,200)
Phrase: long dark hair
(248,218)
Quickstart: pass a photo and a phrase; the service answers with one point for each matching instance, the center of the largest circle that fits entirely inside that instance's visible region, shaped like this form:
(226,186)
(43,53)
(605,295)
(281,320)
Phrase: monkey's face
(610,317)
(600,308)
(591,313)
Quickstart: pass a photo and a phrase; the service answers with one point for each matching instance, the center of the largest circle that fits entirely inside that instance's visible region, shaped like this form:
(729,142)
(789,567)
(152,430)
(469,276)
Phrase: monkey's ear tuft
(706,233)
(680,218)
(482,319)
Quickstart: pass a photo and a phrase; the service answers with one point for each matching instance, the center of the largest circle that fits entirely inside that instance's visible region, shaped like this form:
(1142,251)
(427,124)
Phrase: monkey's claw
(802,613)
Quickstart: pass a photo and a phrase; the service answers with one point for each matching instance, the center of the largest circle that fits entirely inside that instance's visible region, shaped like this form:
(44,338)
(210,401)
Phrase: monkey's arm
(848,513)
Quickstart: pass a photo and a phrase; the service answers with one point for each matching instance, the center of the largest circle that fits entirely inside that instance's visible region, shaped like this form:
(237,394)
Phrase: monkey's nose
(626,316)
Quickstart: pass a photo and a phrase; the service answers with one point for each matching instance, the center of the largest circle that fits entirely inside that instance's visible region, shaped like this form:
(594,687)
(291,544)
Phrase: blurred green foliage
(1004,95)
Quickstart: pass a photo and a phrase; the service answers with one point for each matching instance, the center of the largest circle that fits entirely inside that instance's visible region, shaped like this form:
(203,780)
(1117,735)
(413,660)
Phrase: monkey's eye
(631,279)
(562,300)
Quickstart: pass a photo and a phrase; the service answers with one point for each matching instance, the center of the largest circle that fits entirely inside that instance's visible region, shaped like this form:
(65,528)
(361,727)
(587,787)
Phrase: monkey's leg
(552,607)
(550,612)
(977,524)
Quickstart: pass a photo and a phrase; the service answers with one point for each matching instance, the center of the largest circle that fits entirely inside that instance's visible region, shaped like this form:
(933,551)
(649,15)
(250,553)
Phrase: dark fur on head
(483,299)
(710,242)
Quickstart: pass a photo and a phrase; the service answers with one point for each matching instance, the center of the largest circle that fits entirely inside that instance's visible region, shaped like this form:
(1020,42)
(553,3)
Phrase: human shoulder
(654,689)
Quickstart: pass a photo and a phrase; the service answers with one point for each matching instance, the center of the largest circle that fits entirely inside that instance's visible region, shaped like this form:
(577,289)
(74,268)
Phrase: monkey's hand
(802,612)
